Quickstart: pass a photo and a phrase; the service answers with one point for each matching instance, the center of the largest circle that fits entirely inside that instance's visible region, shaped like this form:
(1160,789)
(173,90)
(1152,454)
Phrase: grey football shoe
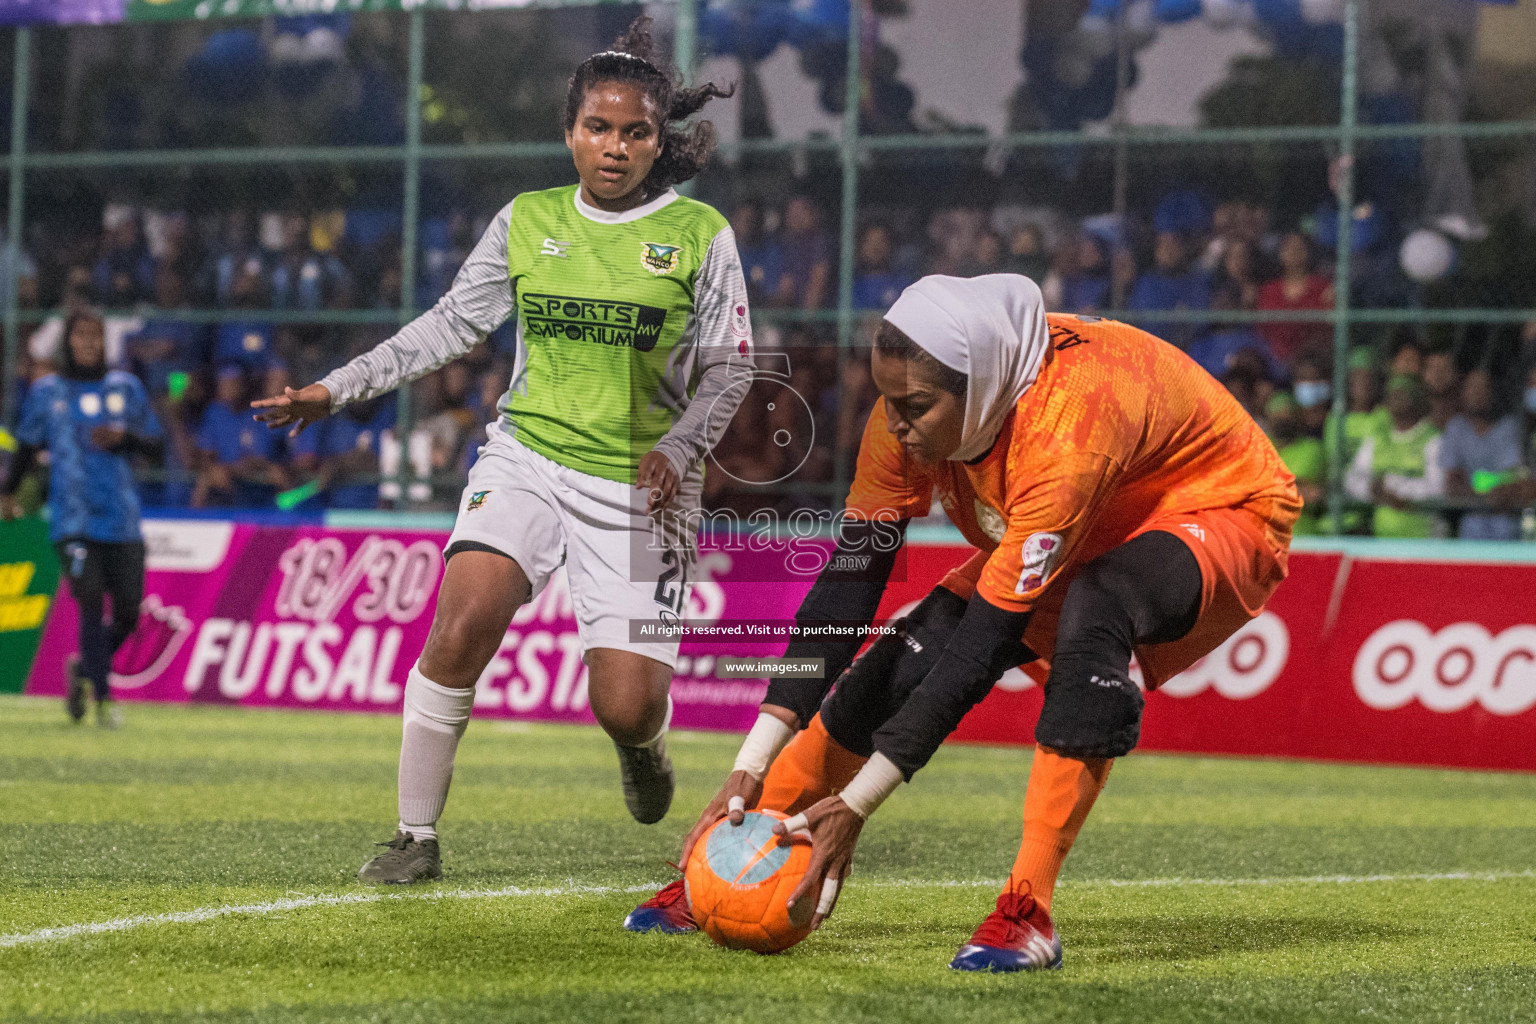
(405,861)
(646,773)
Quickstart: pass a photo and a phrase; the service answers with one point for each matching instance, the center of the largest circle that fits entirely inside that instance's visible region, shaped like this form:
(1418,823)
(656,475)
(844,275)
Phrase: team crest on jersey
(476,500)
(90,404)
(659,259)
(990,520)
(116,404)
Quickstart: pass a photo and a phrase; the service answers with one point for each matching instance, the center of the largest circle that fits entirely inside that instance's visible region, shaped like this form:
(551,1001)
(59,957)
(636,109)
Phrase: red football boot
(1017,936)
(667,911)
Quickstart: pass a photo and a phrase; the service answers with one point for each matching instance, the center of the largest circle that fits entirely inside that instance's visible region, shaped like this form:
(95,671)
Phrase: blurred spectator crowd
(151,270)
(1438,428)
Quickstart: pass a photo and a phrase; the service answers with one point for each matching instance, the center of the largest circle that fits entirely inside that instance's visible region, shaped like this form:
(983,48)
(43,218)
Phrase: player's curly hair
(892,340)
(685,147)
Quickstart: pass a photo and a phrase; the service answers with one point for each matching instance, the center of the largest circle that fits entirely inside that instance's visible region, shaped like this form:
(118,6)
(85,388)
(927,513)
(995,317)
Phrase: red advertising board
(1369,659)
(1355,659)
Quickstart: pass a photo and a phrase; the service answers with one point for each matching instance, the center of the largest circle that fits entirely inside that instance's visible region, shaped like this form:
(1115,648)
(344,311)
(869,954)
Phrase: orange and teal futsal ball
(739,879)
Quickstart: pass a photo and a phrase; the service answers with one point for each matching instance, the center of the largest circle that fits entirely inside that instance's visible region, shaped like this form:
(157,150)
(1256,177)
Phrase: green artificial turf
(1201,889)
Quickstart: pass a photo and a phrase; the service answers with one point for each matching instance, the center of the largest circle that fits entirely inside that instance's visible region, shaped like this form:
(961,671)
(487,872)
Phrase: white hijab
(990,328)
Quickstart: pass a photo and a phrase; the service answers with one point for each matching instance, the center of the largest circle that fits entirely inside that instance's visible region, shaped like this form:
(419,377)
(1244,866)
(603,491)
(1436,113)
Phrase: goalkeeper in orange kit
(1121,502)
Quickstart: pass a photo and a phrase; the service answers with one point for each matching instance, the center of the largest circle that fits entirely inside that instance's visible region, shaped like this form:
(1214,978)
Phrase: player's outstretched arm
(479,302)
(724,362)
(295,409)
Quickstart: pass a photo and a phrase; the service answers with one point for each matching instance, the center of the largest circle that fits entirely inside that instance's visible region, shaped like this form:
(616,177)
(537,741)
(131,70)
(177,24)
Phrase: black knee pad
(879,682)
(1091,710)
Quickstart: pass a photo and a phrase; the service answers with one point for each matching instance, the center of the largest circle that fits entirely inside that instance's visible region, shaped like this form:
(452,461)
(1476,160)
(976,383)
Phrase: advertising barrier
(29,575)
(314,617)
(1357,658)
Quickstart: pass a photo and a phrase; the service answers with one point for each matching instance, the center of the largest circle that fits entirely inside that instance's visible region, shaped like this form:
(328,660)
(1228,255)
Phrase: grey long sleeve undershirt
(481,300)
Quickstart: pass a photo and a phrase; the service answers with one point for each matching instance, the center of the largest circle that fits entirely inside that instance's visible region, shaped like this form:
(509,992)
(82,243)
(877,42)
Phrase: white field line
(123,924)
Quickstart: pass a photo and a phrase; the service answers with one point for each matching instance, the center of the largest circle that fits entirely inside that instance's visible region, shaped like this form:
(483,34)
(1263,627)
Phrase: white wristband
(877,780)
(762,745)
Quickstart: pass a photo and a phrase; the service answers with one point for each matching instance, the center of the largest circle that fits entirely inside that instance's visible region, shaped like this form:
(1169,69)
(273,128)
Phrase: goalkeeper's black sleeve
(986,644)
(847,592)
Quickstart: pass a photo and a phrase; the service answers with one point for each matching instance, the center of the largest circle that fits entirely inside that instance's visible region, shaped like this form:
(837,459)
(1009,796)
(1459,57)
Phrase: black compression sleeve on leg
(847,591)
(985,644)
(1147,590)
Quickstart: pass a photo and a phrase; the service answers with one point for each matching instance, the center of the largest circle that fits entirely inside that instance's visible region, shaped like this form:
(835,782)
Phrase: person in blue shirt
(166,346)
(247,340)
(344,447)
(239,460)
(1481,453)
(1170,284)
(1083,272)
(92,421)
(245,343)
(876,282)
(762,256)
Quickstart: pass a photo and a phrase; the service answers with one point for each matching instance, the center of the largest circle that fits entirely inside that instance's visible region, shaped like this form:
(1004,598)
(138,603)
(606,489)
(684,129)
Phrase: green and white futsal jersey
(606,325)
(632,331)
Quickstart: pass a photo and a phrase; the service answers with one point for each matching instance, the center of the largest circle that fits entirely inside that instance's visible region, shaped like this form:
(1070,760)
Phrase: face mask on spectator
(1312,393)
(1530,400)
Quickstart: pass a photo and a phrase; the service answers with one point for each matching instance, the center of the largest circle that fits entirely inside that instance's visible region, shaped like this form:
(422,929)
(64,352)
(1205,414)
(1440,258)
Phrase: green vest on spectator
(1403,455)
(1304,458)
(1357,427)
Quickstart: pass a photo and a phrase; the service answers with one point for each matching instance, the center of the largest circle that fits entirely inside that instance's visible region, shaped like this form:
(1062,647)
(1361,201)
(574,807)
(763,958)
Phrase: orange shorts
(1242,560)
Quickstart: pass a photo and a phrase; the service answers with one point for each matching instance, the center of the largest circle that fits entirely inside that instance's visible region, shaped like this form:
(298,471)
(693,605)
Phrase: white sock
(435,717)
(661,733)
(419,832)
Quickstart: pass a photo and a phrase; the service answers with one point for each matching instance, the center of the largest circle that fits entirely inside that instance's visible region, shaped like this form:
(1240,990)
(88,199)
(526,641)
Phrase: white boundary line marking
(123,924)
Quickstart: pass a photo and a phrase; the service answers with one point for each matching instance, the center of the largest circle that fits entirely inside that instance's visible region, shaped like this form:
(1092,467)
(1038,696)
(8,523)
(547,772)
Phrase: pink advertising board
(1358,657)
(321,618)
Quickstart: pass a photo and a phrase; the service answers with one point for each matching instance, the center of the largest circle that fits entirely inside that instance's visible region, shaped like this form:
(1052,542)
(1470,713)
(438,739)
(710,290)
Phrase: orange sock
(811,767)
(1061,793)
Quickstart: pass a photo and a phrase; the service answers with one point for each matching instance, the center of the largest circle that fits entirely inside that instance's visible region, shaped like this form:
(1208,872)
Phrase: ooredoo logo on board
(1244,666)
(1449,669)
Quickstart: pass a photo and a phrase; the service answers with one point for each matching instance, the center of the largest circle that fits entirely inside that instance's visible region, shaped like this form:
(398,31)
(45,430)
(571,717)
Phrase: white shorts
(544,515)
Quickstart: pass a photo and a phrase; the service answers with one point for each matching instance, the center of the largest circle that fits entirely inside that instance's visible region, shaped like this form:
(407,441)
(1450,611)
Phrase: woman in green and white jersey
(633,343)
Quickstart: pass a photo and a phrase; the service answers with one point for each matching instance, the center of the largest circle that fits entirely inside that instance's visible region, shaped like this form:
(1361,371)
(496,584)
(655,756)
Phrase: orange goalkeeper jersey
(1119,431)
